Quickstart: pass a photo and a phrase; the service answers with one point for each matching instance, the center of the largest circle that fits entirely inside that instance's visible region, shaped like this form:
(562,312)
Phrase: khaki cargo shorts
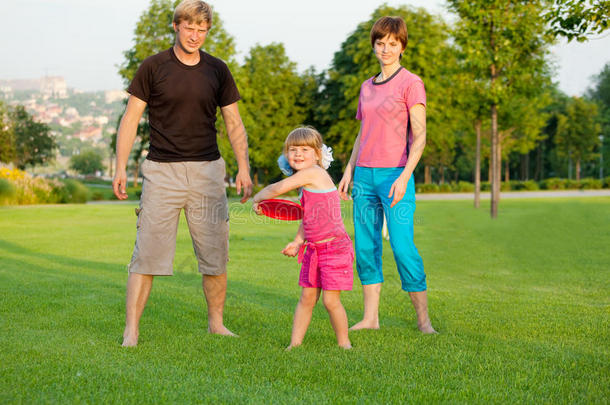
(196,187)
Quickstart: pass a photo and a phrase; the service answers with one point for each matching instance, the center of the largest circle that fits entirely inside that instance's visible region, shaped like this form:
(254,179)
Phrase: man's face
(190,36)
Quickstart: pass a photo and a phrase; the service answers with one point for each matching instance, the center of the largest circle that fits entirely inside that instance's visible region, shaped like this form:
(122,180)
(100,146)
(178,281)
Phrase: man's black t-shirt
(182,102)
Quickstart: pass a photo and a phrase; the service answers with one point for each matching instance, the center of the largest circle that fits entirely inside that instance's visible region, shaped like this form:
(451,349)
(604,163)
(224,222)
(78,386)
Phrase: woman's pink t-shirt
(383,109)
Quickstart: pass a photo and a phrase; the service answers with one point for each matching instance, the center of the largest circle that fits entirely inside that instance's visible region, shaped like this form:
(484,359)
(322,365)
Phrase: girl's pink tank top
(321,214)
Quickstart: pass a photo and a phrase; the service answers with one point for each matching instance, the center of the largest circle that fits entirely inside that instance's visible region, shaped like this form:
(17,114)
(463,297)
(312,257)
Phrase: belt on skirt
(313,260)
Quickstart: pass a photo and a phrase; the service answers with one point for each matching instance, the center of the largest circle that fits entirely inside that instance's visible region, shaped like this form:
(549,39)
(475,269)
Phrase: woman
(389,145)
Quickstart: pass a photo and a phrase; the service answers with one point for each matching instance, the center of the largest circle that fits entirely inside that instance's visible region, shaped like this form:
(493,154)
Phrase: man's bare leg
(420,303)
(138,290)
(370,320)
(215,291)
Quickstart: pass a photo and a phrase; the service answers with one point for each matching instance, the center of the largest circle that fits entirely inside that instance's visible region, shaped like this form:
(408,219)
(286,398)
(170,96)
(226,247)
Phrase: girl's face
(388,50)
(301,157)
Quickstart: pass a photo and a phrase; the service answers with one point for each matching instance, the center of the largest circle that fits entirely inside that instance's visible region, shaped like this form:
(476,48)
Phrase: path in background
(515,194)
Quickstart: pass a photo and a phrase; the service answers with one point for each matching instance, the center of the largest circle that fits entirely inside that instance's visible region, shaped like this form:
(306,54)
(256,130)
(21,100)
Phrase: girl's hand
(398,189)
(292,249)
(343,187)
(257,209)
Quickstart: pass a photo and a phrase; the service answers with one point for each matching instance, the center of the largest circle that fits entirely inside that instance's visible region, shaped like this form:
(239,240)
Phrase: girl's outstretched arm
(301,178)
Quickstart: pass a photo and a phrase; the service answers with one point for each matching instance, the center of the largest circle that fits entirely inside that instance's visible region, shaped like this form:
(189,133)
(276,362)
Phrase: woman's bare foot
(292,346)
(366,324)
(222,330)
(346,346)
(130,340)
(426,329)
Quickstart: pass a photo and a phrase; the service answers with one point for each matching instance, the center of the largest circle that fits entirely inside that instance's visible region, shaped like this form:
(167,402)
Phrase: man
(182,87)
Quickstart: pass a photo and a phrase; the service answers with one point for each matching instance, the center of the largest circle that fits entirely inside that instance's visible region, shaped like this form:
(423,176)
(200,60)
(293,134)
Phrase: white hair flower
(327,156)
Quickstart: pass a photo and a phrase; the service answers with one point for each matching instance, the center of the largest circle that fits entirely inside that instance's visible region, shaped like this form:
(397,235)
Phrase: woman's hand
(398,189)
(343,187)
(292,249)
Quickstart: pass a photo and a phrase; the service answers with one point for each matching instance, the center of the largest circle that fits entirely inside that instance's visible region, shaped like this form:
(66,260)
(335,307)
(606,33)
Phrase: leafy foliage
(578,19)
(87,162)
(33,142)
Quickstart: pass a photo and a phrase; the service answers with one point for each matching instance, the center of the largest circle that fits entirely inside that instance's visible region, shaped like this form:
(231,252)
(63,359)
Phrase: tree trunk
(442,172)
(506,171)
(110,168)
(256,178)
(136,172)
(578,169)
(477,166)
(427,175)
(538,173)
(495,161)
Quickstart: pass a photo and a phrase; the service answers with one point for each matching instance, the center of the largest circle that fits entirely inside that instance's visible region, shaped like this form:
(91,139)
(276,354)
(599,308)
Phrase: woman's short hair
(395,26)
(193,12)
(304,136)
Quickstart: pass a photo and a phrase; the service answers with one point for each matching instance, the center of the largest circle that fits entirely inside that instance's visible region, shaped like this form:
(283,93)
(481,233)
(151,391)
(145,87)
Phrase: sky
(84,40)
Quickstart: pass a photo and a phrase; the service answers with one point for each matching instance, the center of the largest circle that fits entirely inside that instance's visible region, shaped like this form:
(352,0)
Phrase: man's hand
(292,249)
(243,182)
(119,184)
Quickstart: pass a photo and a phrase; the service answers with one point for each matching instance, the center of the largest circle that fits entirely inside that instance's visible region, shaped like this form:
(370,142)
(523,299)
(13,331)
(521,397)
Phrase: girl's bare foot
(291,346)
(366,324)
(346,346)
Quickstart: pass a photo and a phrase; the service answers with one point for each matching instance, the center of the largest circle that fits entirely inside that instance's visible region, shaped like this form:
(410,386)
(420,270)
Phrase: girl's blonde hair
(304,136)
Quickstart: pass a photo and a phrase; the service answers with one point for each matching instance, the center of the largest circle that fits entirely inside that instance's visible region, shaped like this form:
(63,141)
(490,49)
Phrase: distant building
(54,87)
(90,133)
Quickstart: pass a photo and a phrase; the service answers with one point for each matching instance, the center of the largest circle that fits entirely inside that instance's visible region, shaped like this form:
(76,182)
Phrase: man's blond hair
(193,12)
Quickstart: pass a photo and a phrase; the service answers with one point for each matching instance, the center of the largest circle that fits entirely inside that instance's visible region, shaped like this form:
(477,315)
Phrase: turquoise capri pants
(370,194)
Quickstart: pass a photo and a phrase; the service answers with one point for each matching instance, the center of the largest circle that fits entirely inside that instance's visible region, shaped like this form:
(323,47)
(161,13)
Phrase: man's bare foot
(427,329)
(130,341)
(222,330)
(365,324)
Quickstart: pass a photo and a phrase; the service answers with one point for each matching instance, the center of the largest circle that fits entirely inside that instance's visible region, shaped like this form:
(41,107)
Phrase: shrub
(572,184)
(427,188)
(7,192)
(445,188)
(529,185)
(75,192)
(607,182)
(485,186)
(505,186)
(590,183)
(463,187)
(553,183)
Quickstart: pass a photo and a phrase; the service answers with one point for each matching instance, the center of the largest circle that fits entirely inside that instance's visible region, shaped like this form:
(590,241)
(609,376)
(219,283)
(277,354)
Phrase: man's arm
(125,138)
(239,143)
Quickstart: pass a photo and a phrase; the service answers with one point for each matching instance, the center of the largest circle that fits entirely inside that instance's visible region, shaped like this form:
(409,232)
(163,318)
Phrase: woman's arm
(349,168)
(417,115)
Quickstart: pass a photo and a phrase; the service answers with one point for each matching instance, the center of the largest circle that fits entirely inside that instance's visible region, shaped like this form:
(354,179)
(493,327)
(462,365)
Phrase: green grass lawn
(521,303)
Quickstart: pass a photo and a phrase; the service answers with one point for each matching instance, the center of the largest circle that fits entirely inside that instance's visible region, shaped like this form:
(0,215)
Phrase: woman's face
(388,50)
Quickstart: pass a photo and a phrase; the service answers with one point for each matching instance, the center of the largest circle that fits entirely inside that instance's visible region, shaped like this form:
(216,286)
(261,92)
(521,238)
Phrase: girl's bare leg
(338,317)
(302,315)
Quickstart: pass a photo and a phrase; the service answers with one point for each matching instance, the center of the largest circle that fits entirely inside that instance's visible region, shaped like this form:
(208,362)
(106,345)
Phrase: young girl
(324,248)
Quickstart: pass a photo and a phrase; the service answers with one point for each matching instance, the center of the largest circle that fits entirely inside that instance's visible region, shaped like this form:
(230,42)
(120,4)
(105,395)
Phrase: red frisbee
(281,209)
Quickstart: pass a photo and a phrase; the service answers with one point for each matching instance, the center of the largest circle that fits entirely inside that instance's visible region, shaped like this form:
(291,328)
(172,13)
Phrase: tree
(7,137)
(87,163)
(600,93)
(577,19)
(270,106)
(355,62)
(578,131)
(33,142)
(153,34)
(505,46)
